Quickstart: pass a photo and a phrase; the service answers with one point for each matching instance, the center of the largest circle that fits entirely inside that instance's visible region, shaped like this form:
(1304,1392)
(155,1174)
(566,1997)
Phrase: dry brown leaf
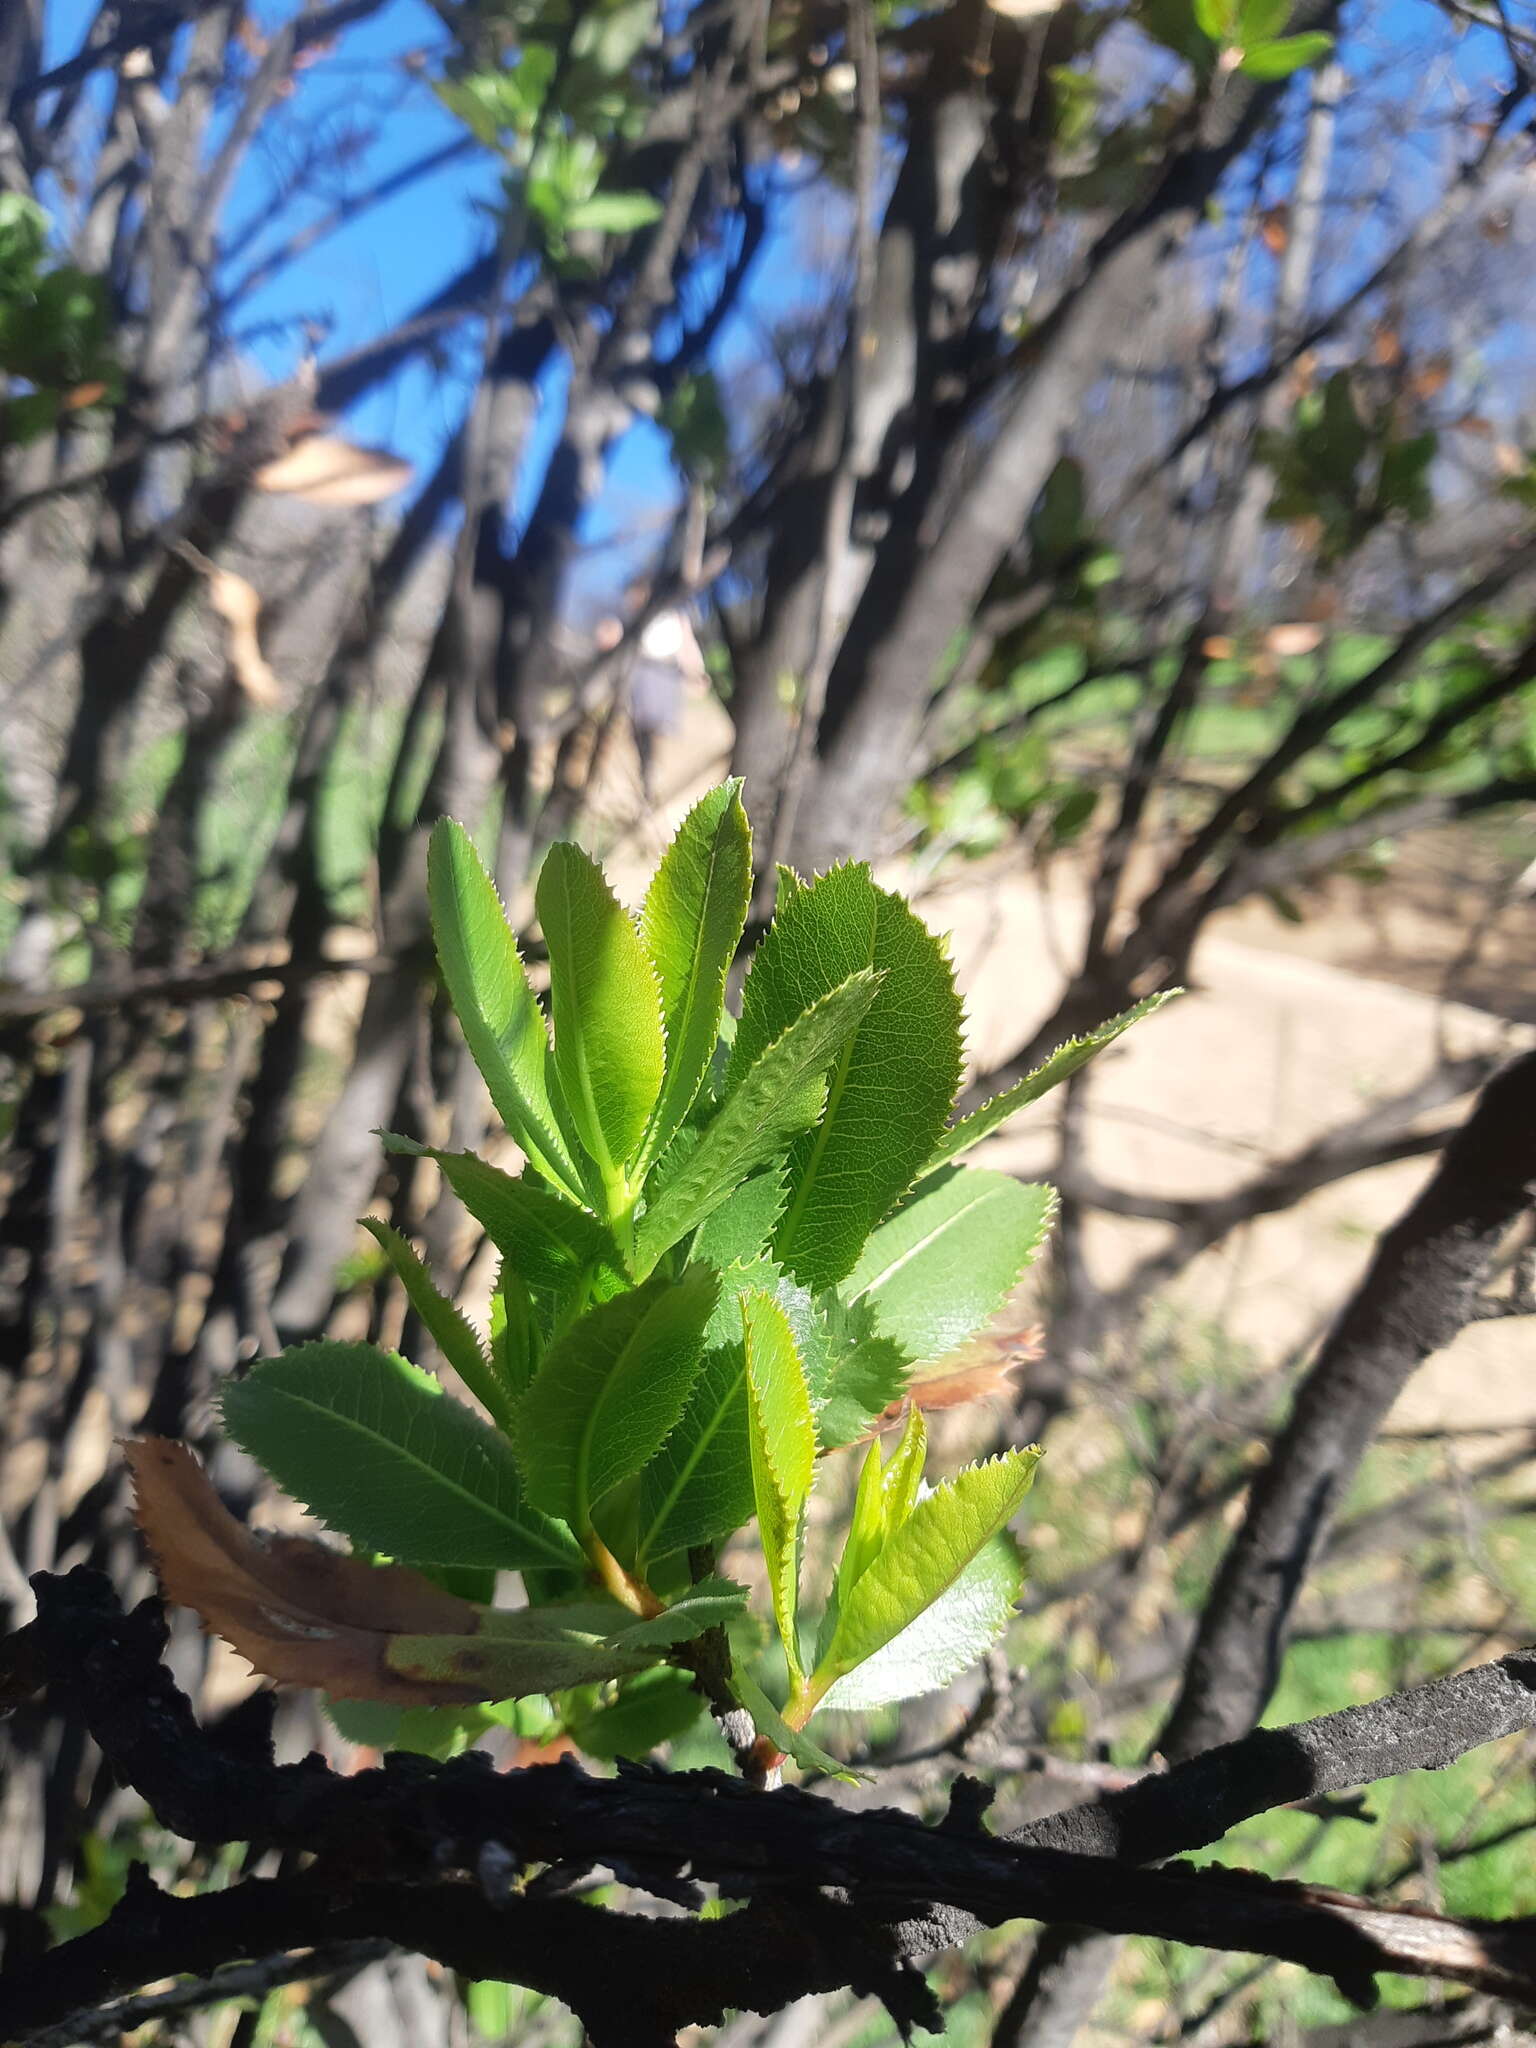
(529,1754)
(238,604)
(295,1610)
(979,1378)
(967,1383)
(1386,346)
(1300,636)
(322,469)
(82,395)
(1219,647)
(1275,229)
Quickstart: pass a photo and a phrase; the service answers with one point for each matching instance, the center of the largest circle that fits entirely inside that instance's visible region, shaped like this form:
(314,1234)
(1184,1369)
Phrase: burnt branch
(837,1899)
(1421,1289)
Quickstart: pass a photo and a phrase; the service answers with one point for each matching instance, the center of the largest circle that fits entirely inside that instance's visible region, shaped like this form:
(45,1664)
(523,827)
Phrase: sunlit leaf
(606,1006)
(497,1010)
(771,1098)
(892,1084)
(692,920)
(942,1266)
(1060,1066)
(614,213)
(783,1441)
(922,1559)
(378,1451)
(610,1391)
(1289,54)
(945,1639)
(559,1253)
(449,1328)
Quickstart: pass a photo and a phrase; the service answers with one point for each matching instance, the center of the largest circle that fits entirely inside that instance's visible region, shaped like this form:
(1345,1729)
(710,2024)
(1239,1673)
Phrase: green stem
(620,1199)
(629,1591)
(802,1702)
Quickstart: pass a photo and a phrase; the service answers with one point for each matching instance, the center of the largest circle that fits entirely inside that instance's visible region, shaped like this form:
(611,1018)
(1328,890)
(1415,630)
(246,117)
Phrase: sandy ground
(1290,1031)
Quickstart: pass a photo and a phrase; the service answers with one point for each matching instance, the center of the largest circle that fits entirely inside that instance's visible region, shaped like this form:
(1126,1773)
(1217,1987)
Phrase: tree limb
(1420,1290)
(398,1853)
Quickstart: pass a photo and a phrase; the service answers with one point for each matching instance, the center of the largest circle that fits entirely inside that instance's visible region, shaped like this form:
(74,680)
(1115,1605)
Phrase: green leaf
(712,1603)
(866,1525)
(515,1342)
(1403,481)
(610,1391)
(614,213)
(901,1482)
(1260,20)
(1280,59)
(1216,19)
(1059,1067)
(497,1010)
(648,1710)
(739,1230)
(609,1054)
(944,1640)
(557,1251)
(698,1488)
(377,1450)
(694,914)
(921,1560)
(893,1082)
(944,1264)
(692,413)
(1057,523)
(865,1372)
(783,1440)
(774,1096)
(884,1500)
(448,1327)
(1171,23)
(794,1742)
(426,1731)
(613,37)
(549,1649)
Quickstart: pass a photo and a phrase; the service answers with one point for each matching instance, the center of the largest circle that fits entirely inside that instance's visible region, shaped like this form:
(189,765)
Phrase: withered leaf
(305,1615)
(981,1373)
(322,469)
(296,1610)
(238,604)
(1296,636)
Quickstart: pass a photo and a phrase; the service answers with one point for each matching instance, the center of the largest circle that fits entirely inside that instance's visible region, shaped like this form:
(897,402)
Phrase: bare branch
(425,1823)
(1421,1289)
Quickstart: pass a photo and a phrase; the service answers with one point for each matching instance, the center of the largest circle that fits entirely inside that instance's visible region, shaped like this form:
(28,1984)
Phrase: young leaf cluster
(735,1246)
(1235,35)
